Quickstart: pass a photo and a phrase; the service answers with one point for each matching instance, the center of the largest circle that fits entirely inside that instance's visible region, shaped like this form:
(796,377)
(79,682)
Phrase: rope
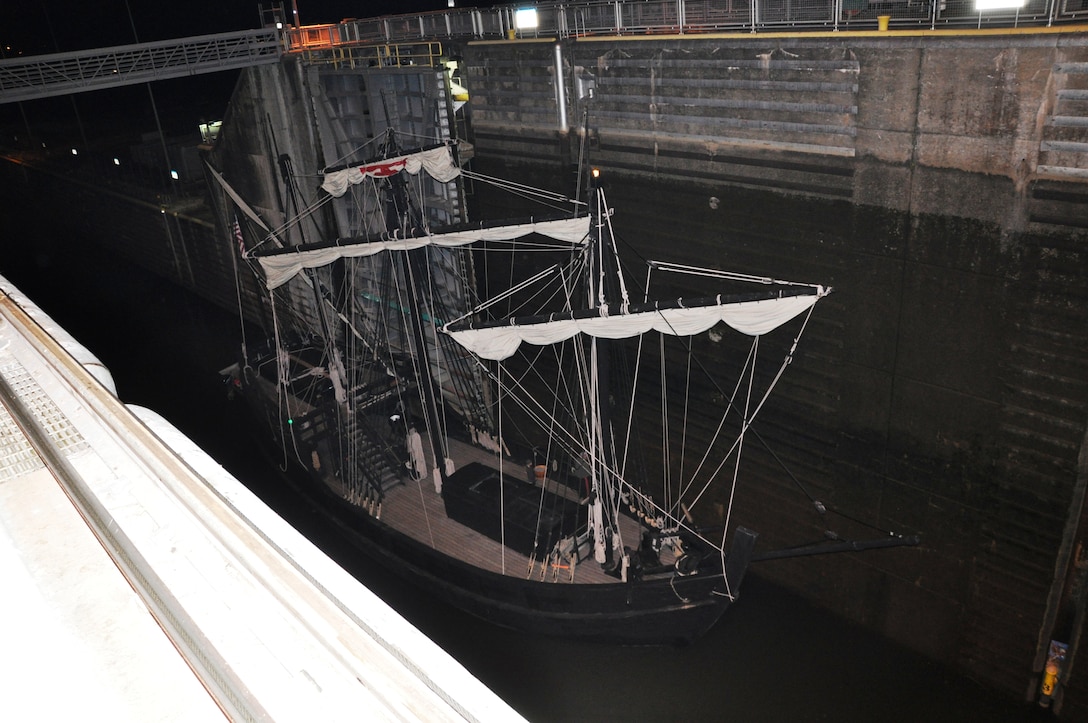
(736,466)
(520,189)
(283,400)
(274,234)
(730,275)
(502,496)
(730,405)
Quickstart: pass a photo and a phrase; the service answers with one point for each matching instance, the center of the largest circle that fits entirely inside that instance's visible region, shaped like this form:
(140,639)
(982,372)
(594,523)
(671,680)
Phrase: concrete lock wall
(939,184)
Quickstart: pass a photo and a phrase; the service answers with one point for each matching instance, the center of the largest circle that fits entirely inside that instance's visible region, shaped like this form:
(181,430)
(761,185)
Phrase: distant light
(174,175)
(596,172)
(451,4)
(75,152)
(279,25)
(525,19)
(981,5)
(116,161)
(210,131)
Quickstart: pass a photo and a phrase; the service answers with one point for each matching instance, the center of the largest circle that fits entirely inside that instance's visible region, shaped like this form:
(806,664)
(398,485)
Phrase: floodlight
(525,19)
(981,5)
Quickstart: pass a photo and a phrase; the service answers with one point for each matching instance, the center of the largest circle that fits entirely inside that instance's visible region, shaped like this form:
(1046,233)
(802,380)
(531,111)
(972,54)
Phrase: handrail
(375,55)
(62,73)
(681,17)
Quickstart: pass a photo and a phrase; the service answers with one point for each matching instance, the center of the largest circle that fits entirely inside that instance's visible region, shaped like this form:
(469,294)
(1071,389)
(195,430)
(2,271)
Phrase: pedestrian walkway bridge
(143,582)
(42,76)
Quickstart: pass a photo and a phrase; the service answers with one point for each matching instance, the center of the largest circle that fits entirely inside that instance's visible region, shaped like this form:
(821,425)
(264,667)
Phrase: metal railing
(62,73)
(374,54)
(42,76)
(616,17)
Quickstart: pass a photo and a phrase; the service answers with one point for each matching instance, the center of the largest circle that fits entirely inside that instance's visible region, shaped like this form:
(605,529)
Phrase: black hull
(661,611)
(655,610)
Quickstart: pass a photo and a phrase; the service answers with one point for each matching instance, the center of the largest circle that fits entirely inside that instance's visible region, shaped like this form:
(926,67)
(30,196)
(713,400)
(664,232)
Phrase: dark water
(773,657)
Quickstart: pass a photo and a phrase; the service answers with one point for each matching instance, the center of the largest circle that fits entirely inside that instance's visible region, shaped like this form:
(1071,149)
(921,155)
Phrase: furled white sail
(280,267)
(438,162)
(748,317)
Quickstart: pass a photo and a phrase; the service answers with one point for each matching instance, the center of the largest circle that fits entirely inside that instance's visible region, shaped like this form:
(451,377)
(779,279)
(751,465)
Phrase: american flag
(238,238)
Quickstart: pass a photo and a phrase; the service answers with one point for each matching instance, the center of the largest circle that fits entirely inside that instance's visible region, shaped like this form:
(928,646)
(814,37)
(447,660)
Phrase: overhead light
(525,19)
(981,5)
(174,175)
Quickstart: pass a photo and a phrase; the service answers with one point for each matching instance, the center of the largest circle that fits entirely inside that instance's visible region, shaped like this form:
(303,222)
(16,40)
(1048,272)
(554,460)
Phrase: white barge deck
(142,582)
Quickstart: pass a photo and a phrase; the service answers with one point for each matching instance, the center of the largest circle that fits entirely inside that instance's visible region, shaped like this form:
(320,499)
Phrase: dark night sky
(33,27)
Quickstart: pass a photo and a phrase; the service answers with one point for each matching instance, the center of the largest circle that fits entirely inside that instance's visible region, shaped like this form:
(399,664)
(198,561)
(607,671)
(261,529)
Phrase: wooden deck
(416,510)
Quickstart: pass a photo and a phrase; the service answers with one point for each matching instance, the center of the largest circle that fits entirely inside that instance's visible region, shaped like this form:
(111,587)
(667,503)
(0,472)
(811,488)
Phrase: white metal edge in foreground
(275,629)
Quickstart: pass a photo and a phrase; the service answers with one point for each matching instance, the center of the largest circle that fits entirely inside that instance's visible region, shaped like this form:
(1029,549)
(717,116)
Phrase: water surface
(773,657)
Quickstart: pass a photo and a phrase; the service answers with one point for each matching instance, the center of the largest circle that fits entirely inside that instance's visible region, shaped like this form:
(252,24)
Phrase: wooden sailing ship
(492,450)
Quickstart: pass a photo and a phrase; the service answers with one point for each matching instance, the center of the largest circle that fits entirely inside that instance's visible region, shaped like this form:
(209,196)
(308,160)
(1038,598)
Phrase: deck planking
(416,510)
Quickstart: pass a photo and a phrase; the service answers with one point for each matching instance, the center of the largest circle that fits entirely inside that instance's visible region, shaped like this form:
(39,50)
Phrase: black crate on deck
(472,498)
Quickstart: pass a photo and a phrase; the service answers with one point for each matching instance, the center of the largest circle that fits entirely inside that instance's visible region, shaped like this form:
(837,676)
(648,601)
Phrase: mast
(755,306)
(603,286)
(402,215)
(337,374)
(414,264)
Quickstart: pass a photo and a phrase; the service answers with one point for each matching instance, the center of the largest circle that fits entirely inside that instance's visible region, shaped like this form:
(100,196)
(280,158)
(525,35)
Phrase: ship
(503,410)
